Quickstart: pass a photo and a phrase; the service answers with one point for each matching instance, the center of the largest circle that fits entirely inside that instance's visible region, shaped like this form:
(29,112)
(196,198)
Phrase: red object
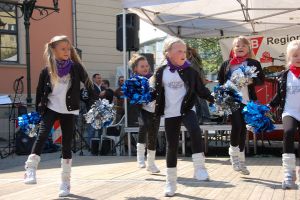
(256,43)
(295,70)
(56,125)
(238,60)
(265,93)
(266,57)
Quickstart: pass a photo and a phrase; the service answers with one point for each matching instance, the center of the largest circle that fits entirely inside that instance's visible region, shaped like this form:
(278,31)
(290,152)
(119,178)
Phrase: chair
(114,132)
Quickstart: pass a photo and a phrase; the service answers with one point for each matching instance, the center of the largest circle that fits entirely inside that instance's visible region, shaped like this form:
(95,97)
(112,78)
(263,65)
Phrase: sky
(149,32)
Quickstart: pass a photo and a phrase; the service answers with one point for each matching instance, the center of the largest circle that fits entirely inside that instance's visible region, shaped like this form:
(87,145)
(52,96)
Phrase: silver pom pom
(101,114)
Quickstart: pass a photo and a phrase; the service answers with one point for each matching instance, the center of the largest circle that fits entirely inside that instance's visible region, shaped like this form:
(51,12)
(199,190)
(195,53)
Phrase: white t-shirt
(292,105)
(174,93)
(243,90)
(57,98)
(150,107)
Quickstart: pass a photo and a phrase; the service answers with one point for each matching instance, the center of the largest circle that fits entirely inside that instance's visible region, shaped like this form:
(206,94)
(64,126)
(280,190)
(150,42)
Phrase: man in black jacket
(107,93)
(97,80)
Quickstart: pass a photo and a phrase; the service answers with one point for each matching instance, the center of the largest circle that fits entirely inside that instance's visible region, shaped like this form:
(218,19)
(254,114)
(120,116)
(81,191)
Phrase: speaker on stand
(132,32)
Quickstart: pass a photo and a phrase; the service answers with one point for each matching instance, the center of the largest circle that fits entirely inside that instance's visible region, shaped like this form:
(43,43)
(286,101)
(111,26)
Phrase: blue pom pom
(29,123)
(257,119)
(137,90)
(227,97)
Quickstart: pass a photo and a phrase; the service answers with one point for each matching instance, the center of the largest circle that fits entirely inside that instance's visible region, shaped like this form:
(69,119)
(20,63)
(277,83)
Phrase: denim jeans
(92,132)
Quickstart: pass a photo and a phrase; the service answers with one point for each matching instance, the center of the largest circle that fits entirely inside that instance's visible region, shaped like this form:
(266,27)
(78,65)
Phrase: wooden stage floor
(111,177)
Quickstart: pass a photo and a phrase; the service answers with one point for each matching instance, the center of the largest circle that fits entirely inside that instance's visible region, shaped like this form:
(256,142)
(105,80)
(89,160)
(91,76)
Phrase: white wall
(96,36)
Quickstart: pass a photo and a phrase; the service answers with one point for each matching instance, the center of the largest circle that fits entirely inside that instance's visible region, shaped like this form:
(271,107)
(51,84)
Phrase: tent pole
(125,63)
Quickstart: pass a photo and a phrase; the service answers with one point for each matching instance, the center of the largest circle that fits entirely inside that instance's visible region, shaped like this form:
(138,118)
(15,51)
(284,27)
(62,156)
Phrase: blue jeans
(91,133)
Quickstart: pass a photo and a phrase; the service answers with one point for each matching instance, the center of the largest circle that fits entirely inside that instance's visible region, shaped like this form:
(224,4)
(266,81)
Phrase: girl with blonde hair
(177,86)
(148,122)
(242,55)
(287,99)
(57,97)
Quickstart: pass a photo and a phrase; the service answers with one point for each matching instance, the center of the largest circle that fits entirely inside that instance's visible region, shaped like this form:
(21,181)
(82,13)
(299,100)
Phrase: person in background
(98,88)
(201,104)
(242,55)
(119,99)
(97,80)
(107,93)
(287,98)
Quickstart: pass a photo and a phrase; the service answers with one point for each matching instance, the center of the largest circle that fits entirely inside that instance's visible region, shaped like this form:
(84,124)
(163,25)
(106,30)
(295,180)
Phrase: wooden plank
(109,177)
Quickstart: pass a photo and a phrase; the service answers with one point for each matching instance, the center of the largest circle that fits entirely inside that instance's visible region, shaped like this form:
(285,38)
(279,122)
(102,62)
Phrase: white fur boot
(289,170)
(200,172)
(150,162)
(65,185)
(171,182)
(243,168)
(140,155)
(31,166)
(234,157)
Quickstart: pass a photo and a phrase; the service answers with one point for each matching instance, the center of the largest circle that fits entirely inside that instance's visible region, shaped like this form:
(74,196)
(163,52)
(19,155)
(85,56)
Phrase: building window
(8,34)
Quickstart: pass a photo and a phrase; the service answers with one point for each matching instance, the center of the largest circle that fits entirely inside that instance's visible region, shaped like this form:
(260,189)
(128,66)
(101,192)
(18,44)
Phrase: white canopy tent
(217,18)
(214,18)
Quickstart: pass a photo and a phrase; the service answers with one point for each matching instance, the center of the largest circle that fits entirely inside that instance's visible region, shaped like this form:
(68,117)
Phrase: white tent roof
(215,18)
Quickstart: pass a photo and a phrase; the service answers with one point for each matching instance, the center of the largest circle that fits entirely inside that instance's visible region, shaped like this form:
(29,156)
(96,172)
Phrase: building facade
(96,36)
(91,26)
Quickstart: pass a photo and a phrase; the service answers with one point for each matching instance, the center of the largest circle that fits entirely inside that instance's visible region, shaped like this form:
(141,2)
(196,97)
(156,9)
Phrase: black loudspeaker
(106,147)
(132,32)
(22,110)
(24,143)
(133,113)
(150,59)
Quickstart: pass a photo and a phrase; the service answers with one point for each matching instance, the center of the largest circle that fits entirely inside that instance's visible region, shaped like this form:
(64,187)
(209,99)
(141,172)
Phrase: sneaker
(64,189)
(153,169)
(30,176)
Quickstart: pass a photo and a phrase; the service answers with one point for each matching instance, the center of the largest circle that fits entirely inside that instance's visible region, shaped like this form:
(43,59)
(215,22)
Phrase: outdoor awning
(215,18)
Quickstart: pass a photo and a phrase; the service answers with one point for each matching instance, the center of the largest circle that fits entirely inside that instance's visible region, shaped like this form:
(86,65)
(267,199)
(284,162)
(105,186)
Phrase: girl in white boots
(287,98)
(177,86)
(242,55)
(148,122)
(57,97)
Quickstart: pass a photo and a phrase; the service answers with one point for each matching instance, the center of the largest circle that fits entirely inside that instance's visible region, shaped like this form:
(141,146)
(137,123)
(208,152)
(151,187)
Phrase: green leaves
(210,52)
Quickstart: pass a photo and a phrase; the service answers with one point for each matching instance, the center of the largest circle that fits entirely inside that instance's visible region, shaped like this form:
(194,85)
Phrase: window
(8,33)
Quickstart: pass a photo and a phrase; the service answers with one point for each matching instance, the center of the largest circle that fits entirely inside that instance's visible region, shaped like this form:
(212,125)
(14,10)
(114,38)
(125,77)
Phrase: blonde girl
(242,55)
(287,99)
(57,97)
(148,122)
(177,86)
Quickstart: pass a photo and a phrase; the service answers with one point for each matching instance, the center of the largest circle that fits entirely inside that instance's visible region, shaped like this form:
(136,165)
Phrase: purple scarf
(173,68)
(63,67)
(148,75)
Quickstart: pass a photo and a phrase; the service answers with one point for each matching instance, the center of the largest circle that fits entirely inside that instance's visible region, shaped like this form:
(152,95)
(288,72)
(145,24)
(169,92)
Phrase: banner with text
(270,50)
